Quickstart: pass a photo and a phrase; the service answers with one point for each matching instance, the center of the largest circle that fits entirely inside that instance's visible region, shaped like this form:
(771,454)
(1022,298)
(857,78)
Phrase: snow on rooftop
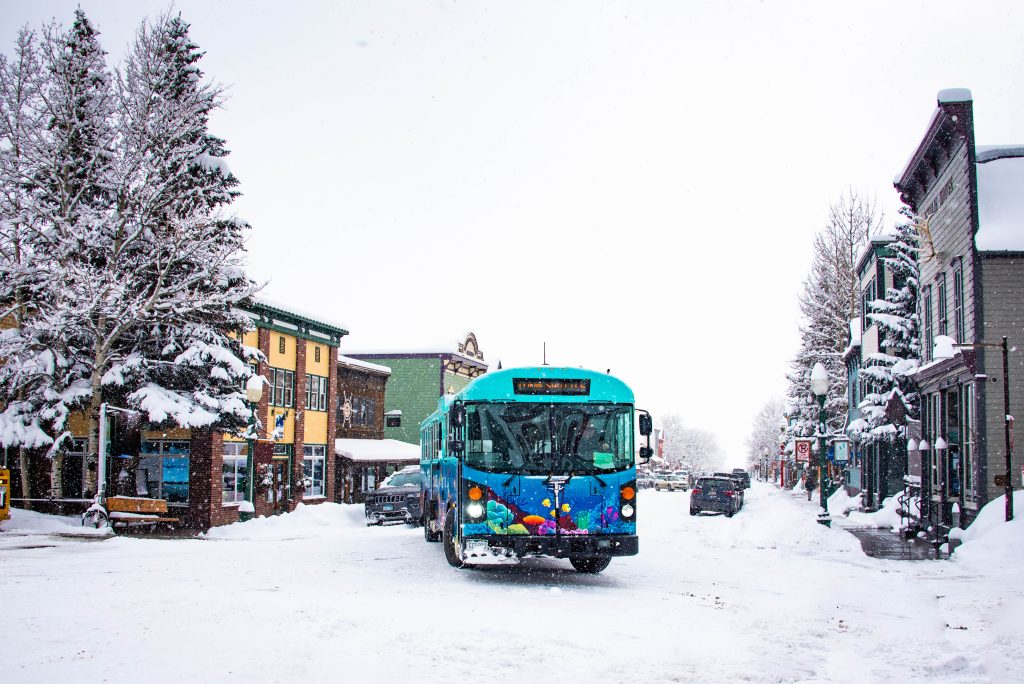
(394,412)
(377,450)
(359,363)
(879,239)
(299,312)
(438,350)
(1000,199)
(949,95)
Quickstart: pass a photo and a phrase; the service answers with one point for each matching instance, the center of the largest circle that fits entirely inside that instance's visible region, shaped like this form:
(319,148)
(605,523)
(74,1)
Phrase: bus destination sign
(579,387)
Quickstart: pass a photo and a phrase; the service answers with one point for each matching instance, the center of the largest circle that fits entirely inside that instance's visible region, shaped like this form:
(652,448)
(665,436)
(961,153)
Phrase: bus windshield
(542,438)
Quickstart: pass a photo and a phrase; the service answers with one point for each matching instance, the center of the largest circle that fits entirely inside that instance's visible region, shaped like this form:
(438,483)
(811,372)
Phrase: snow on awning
(377,450)
(1000,199)
(365,365)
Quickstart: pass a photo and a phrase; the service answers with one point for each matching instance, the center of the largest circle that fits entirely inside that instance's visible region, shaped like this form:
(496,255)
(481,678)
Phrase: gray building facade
(972,294)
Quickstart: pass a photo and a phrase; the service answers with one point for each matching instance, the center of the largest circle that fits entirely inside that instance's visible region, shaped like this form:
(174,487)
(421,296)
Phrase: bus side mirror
(646,426)
(457,416)
(456,446)
(645,454)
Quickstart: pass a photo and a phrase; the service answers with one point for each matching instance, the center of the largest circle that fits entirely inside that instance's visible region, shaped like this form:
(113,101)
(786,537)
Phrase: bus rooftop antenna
(545,362)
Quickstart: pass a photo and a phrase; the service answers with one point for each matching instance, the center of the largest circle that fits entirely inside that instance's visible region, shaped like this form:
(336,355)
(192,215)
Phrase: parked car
(397,498)
(673,482)
(743,475)
(718,494)
(738,482)
(644,480)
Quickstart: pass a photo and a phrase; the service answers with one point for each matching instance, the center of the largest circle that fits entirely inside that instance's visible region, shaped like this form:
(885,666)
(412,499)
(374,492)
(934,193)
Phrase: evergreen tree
(890,373)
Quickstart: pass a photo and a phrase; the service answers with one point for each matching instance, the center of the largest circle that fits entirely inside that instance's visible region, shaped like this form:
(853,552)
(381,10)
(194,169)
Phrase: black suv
(739,481)
(719,494)
(396,499)
(743,475)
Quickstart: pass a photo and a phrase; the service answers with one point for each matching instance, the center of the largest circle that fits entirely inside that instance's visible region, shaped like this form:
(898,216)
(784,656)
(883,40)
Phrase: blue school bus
(533,462)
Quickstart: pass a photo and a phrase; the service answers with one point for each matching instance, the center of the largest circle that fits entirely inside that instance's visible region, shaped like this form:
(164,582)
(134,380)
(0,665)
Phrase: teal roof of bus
(497,386)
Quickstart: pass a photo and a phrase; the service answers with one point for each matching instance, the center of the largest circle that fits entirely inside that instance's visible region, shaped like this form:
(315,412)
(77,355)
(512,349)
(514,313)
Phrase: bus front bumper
(557,546)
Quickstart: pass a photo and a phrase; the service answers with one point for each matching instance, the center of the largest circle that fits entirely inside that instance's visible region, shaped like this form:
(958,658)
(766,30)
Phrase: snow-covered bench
(131,511)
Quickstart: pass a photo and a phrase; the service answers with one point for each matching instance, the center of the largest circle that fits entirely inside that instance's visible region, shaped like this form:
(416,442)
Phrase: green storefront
(418,379)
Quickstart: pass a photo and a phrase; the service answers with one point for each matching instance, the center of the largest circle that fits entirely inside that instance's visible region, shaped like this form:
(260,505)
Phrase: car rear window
(716,482)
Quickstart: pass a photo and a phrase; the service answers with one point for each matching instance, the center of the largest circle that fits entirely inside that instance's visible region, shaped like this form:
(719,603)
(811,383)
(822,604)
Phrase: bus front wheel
(452,549)
(590,566)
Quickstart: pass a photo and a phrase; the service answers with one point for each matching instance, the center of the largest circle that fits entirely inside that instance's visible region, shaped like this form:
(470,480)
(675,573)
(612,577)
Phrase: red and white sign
(803,450)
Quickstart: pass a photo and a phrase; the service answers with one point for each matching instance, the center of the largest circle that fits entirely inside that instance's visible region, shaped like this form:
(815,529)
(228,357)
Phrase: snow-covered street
(767,596)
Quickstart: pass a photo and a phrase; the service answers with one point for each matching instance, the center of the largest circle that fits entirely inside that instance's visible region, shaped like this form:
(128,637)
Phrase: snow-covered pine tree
(828,301)
(61,179)
(171,353)
(21,78)
(890,373)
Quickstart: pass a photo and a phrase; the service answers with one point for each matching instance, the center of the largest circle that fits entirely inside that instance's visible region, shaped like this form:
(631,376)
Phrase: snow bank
(841,503)
(888,516)
(990,540)
(792,528)
(31,522)
(304,522)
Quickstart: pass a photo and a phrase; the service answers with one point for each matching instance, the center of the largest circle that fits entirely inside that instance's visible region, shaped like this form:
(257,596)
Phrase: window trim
(316,392)
(286,389)
(309,455)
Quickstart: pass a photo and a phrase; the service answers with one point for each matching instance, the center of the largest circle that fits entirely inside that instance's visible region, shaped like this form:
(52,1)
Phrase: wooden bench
(131,511)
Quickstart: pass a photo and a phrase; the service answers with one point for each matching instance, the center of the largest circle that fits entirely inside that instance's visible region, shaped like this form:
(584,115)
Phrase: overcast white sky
(635,183)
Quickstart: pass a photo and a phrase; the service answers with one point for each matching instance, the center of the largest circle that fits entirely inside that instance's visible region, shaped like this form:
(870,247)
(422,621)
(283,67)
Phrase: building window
(363,409)
(234,477)
(926,353)
(316,353)
(943,315)
(393,421)
(163,470)
(867,296)
(316,393)
(958,302)
(314,463)
(280,344)
(954,465)
(282,387)
(967,439)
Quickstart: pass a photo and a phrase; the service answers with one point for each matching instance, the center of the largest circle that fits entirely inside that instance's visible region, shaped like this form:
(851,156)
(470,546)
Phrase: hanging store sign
(841,449)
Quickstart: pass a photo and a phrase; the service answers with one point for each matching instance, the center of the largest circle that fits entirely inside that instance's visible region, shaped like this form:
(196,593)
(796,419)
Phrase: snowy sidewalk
(874,531)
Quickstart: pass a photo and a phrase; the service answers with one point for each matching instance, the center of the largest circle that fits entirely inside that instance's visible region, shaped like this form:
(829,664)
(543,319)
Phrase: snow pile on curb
(305,521)
(791,528)
(990,540)
(886,516)
(31,522)
(841,503)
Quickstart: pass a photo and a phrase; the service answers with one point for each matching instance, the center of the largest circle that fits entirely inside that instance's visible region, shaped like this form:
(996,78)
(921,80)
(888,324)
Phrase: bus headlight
(627,511)
(475,510)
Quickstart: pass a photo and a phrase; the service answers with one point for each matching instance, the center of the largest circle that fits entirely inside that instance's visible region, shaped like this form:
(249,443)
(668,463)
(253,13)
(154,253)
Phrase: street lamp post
(253,394)
(819,386)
